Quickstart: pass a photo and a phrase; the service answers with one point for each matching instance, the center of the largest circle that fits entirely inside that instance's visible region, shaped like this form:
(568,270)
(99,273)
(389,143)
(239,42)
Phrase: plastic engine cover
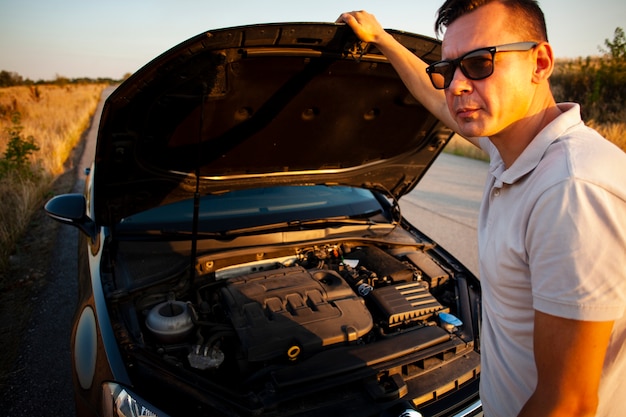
(406,302)
(291,311)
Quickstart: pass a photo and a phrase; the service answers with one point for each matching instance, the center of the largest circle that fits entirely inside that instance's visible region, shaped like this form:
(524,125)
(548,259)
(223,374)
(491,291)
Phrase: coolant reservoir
(170,321)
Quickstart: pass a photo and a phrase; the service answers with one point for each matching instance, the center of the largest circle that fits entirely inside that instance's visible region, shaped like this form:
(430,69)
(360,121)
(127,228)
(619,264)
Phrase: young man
(552,226)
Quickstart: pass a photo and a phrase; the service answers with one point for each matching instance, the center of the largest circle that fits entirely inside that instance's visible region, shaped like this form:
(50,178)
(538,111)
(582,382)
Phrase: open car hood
(263,105)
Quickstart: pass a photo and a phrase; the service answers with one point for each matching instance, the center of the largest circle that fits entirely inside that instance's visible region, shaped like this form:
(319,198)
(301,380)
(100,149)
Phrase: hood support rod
(196,194)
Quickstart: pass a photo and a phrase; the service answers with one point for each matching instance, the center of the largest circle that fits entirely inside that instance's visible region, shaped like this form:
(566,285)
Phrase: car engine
(248,319)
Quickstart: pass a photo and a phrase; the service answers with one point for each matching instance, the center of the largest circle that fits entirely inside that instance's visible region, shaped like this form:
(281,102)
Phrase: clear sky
(42,39)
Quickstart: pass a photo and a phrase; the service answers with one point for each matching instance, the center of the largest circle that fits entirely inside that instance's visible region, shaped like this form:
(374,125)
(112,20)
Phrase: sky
(46,39)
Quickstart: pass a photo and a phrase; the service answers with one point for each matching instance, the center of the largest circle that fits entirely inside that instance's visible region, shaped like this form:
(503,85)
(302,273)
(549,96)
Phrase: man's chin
(471,129)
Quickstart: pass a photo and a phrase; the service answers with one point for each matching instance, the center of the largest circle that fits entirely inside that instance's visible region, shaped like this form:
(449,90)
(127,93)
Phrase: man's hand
(412,69)
(364,25)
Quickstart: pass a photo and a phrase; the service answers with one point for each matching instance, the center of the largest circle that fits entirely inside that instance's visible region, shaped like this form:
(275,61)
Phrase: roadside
(36,311)
(29,271)
(40,372)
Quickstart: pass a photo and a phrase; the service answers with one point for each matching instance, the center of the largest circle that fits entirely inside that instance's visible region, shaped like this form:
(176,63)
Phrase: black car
(243,252)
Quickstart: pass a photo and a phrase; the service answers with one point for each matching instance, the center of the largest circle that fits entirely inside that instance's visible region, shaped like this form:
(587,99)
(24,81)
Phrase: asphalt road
(444,206)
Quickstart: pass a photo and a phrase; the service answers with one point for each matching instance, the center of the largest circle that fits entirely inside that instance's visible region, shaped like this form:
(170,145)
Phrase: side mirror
(71,209)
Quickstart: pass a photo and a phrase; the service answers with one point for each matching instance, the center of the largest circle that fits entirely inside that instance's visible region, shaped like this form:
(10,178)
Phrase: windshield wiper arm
(338,221)
(302,224)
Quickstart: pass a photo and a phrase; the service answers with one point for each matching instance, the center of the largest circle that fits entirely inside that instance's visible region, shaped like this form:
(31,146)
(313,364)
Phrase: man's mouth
(466,112)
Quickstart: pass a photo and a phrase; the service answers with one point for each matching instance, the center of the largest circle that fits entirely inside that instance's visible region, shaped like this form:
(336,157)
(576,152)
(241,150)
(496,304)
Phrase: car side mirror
(71,209)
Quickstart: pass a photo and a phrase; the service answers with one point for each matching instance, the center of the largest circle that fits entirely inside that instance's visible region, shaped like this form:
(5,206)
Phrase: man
(552,226)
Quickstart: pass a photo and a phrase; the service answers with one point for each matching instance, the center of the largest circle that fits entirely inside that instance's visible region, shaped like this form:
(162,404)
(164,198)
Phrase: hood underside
(263,105)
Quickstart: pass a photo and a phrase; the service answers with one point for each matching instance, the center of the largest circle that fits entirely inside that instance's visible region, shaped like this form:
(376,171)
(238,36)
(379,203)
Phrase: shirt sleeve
(576,243)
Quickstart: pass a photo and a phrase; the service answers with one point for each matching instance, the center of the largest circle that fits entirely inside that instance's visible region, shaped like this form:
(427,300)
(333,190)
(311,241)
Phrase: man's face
(488,107)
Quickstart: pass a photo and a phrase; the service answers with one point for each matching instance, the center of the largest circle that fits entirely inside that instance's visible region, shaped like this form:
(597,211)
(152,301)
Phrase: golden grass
(615,132)
(56,117)
(461,147)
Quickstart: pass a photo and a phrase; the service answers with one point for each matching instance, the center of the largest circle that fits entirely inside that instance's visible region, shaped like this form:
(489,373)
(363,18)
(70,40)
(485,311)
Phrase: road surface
(445,204)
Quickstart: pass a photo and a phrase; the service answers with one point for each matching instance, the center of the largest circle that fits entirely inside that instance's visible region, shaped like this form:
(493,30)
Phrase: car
(242,250)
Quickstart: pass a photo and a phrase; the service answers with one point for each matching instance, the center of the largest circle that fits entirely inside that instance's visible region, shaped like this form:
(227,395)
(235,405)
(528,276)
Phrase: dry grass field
(461,147)
(615,132)
(54,118)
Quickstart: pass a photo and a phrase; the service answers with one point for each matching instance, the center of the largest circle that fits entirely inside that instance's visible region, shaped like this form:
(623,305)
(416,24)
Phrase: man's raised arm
(412,70)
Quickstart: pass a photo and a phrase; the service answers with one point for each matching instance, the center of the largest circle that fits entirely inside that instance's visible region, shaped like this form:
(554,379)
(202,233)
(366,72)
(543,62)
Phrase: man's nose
(460,84)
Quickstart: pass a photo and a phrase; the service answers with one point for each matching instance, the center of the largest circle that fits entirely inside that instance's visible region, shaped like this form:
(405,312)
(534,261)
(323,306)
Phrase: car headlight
(118,401)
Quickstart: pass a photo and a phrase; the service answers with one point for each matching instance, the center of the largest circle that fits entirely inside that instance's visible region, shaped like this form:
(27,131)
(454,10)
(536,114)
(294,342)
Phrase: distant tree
(598,84)
(9,79)
(60,80)
(608,92)
(617,48)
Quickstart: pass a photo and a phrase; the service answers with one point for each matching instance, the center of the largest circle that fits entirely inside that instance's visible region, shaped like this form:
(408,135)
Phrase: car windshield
(256,207)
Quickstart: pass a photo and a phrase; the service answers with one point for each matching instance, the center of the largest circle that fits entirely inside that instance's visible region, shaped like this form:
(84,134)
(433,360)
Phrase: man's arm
(411,69)
(569,355)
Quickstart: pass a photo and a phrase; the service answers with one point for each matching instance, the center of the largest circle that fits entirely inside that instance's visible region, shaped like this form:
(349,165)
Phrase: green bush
(598,84)
(19,149)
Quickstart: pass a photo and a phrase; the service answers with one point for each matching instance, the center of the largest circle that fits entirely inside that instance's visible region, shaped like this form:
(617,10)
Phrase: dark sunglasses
(475,65)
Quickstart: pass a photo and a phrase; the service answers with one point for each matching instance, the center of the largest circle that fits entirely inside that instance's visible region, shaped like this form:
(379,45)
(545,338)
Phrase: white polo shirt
(552,237)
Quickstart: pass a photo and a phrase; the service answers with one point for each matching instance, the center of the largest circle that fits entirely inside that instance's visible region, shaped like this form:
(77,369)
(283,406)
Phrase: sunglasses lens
(477,65)
(441,74)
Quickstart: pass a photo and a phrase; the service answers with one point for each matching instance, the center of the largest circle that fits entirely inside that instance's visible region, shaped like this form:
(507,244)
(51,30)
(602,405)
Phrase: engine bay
(301,311)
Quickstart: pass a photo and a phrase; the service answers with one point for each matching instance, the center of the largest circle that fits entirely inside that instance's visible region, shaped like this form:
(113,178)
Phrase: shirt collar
(534,152)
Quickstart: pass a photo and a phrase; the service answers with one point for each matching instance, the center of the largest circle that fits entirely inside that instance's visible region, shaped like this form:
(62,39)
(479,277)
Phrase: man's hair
(532,23)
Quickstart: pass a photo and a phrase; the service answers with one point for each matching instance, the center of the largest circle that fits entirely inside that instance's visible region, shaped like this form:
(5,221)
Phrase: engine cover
(291,311)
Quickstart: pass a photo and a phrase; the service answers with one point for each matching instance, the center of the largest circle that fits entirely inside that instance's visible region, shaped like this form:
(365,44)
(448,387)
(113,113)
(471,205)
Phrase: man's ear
(544,62)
